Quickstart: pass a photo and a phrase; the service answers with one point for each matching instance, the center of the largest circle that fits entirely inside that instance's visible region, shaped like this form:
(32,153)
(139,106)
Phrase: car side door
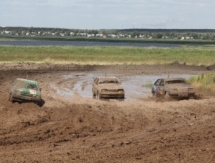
(161,87)
(158,87)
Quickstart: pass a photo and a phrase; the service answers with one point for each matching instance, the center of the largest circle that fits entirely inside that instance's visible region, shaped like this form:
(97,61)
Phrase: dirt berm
(79,129)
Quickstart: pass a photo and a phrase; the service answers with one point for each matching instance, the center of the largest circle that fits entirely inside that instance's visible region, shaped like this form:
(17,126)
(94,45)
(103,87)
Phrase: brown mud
(78,129)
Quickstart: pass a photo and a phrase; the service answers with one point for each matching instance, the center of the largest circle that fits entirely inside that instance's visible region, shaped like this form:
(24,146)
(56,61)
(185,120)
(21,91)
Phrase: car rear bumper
(27,98)
(108,95)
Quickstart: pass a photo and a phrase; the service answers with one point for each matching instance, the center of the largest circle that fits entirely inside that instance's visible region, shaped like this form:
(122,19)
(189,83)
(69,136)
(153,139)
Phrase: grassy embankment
(108,55)
(118,55)
(204,83)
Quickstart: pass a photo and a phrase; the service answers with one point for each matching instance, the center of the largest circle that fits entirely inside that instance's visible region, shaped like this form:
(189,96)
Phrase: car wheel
(39,103)
(167,96)
(94,95)
(153,94)
(99,95)
(158,93)
(122,98)
(191,97)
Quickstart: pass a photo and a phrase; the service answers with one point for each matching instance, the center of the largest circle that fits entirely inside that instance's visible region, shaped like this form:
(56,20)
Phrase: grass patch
(147,85)
(108,55)
(204,83)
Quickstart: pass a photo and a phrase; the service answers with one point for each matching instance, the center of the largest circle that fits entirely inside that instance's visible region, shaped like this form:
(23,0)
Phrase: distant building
(7,32)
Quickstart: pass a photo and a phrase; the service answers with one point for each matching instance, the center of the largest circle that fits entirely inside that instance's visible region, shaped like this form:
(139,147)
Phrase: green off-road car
(25,90)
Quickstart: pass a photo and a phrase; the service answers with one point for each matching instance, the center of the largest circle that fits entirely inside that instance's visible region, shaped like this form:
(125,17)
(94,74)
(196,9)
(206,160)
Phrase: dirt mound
(78,129)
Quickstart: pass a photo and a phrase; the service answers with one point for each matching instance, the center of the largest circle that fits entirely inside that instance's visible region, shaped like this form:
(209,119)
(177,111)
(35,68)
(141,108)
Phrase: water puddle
(135,86)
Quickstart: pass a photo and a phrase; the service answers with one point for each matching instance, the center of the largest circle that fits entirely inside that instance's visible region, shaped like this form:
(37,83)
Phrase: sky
(109,14)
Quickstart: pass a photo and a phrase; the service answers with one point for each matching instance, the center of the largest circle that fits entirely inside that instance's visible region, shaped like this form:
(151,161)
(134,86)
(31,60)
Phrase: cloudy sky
(109,14)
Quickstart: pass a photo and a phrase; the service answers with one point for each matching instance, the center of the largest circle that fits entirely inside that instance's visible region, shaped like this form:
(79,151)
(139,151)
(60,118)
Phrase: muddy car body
(107,87)
(172,87)
(25,90)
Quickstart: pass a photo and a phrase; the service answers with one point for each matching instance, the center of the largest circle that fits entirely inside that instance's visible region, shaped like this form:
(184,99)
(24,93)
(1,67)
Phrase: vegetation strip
(109,55)
(204,83)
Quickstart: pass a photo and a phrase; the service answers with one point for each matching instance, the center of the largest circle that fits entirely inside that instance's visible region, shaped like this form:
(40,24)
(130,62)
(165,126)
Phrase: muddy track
(76,128)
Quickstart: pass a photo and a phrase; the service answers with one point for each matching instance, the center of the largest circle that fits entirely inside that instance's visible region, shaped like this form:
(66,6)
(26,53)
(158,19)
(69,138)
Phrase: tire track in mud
(73,85)
(75,130)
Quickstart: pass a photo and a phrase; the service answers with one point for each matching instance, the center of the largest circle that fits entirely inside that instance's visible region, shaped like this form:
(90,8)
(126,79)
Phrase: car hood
(110,86)
(178,86)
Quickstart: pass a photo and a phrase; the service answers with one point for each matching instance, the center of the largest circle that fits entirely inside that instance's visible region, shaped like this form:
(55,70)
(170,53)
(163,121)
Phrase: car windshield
(175,82)
(19,84)
(32,86)
(108,81)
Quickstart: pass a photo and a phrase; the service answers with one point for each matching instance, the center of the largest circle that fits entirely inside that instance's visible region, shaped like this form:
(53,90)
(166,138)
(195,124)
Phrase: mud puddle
(136,86)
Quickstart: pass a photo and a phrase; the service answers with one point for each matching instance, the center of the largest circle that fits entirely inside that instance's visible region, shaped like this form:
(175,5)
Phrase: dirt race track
(71,127)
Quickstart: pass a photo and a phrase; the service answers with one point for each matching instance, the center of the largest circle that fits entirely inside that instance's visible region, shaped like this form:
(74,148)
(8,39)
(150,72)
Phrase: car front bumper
(27,98)
(181,94)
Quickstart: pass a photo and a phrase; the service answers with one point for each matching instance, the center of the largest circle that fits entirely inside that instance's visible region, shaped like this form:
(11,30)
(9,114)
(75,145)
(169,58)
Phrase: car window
(157,82)
(108,81)
(114,81)
(101,82)
(175,81)
(19,84)
(161,82)
(97,81)
(32,86)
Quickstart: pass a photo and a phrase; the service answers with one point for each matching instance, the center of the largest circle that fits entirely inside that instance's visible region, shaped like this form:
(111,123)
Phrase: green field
(108,55)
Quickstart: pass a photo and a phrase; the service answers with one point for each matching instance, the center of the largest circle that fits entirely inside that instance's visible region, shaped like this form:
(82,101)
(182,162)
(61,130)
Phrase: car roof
(26,80)
(107,77)
(170,79)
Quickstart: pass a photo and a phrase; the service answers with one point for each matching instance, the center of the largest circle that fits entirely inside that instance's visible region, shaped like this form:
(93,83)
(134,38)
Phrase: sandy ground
(76,128)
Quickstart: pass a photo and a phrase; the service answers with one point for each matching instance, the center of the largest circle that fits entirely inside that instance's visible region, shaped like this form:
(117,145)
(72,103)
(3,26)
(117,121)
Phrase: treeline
(106,30)
(169,30)
(168,34)
(40,30)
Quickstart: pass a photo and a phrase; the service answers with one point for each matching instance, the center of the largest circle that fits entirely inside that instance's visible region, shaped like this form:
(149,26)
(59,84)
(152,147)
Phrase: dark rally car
(172,87)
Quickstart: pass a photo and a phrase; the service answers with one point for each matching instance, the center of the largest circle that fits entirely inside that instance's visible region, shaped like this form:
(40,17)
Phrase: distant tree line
(182,34)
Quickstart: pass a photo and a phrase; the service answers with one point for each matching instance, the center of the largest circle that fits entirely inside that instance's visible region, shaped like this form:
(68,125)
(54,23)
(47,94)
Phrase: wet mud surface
(71,126)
